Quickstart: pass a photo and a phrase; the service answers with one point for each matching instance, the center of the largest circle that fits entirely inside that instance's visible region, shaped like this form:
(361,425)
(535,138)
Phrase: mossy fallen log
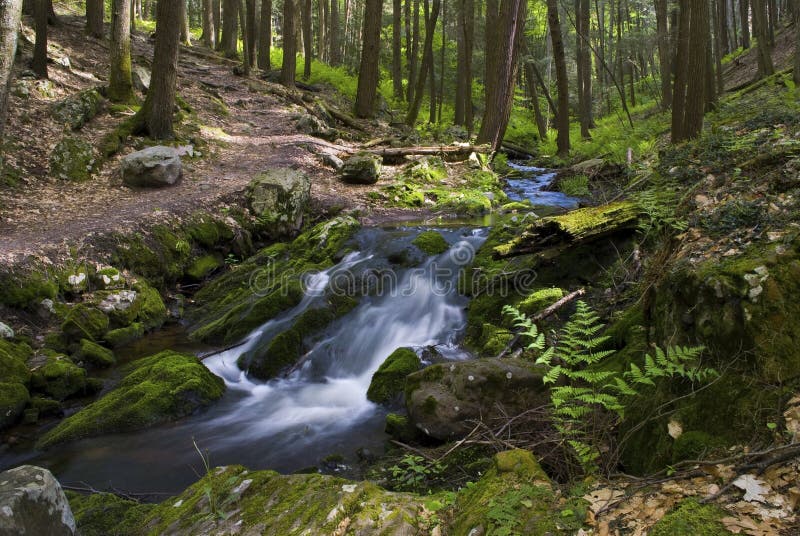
(550,235)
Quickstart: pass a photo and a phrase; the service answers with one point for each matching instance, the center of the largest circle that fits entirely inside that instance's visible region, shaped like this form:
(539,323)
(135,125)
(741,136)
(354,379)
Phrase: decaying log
(550,235)
(517,151)
(343,118)
(446,151)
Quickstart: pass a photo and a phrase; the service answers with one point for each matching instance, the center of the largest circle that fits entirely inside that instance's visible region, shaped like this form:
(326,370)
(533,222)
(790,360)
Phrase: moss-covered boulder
(160,388)
(104,514)
(84,322)
(445,400)
(13,362)
(362,168)
(25,288)
(399,427)
(692,519)
(59,378)
(93,354)
(431,243)
(203,266)
(78,109)
(279,198)
(388,382)
(235,500)
(122,336)
(72,159)
(14,397)
(540,299)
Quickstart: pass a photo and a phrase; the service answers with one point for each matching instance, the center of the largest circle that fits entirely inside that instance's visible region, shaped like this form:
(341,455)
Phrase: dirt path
(45,215)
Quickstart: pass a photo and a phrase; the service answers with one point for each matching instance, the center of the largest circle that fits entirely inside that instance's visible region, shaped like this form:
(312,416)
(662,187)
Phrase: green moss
(431,243)
(26,288)
(122,336)
(692,519)
(207,231)
(59,378)
(76,110)
(14,398)
(203,266)
(494,340)
(13,362)
(46,406)
(84,322)
(160,388)
(105,514)
(539,300)
(73,159)
(575,186)
(400,428)
(94,354)
(389,380)
(114,141)
(695,445)
(160,256)
(151,312)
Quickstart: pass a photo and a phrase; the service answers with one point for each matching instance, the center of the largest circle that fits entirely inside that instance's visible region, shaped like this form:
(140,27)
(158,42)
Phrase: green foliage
(582,388)
(503,513)
(692,519)
(660,216)
(575,186)
(412,473)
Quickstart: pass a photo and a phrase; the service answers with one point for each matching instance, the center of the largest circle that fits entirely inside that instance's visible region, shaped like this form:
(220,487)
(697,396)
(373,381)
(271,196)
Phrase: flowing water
(320,407)
(531,185)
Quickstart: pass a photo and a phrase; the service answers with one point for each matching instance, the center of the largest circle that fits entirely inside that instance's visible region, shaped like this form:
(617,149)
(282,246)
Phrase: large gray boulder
(153,167)
(445,400)
(32,502)
(279,197)
(362,168)
(141,78)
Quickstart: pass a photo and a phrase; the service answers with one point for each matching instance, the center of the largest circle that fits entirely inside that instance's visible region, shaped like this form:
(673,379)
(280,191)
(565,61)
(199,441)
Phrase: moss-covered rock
(106,514)
(203,266)
(93,354)
(279,198)
(122,336)
(692,519)
(59,378)
(13,362)
(159,388)
(85,322)
(431,243)
(540,299)
(25,288)
(14,397)
(151,312)
(46,406)
(695,445)
(399,427)
(388,382)
(78,109)
(72,159)
(445,400)
(362,168)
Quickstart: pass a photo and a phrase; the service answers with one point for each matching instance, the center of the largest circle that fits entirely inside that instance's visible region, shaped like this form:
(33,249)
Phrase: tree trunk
(289,66)
(681,74)
(370,59)
(584,62)
(230,28)
(308,39)
(39,64)
(427,60)
(250,33)
(159,106)
(760,23)
(413,65)
(209,35)
(796,75)
(336,49)
(265,37)
(397,49)
(504,53)
(664,59)
(562,82)
(186,35)
(322,27)
(95,12)
(744,11)
(120,84)
(10,13)
(696,71)
(217,16)
(722,26)
(431,28)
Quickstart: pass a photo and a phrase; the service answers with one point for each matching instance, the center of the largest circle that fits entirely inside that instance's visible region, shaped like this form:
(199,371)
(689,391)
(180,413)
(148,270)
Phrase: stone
(6,332)
(154,167)
(14,397)
(445,400)
(279,198)
(33,503)
(72,159)
(389,380)
(332,161)
(362,168)
(84,322)
(141,78)
(474,161)
(78,109)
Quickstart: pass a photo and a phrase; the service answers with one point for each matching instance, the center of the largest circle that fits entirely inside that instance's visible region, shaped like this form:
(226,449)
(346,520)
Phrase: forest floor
(253,131)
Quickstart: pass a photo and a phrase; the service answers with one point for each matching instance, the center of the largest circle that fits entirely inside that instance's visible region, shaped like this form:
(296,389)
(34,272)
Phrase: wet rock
(389,380)
(72,159)
(94,354)
(279,198)
(153,167)
(141,78)
(311,125)
(84,322)
(445,400)
(362,168)
(59,378)
(6,332)
(32,502)
(332,161)
(14,397)
(431,243)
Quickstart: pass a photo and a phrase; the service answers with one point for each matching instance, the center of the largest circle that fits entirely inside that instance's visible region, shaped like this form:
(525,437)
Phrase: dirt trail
(44,215)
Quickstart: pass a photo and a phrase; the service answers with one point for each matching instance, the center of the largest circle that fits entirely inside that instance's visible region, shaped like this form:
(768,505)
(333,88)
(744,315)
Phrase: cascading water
(531,186)
(320,407)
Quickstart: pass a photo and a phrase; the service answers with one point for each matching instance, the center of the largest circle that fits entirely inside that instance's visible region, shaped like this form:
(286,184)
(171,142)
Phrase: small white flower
(471,378)
(509,375)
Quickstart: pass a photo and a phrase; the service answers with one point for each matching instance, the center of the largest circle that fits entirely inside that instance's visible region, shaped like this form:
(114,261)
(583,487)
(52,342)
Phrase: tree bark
(664,60)
(308,39)
(120,84)
(265,36)
(370,59)
(397,49)
(322,30)
(562,82)
(95,12)
(159,106)
(427,60)
(289,66)
(796,75)
(764,52)
(744,11)
(250,31)
(230,28)
(413,65)
(217,16)
(186,34)
(39,64)
(336,48)
(697,75)
(10,13)
(584,62)
(681,74)
(209,34)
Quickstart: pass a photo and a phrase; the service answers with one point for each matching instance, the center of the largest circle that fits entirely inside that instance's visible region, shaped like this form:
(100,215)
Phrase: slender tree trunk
(427,60)
(230,28)
(397,49)
(698,75)
(541,123)
(217,16)
(681,75)
(265,37)
(414,63)
(370,59)
(209,34)
(664,59)
(336,49)
(722,26)
(10,13)
(584,63)
(120,84)
(289,66)
(308,39)
(431,28)
(186,35)
(95,12)
(158,109)
(461,60)
(562,82)
(760,23)
(719,48)
(408,39)
(39,64)
(744,11)
(796,75)
(250,32)
(322,30)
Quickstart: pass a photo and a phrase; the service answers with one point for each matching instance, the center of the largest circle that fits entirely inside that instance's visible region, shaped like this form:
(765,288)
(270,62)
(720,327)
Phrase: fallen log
(516,151)
(343,118)
(550,235)
(447,151)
